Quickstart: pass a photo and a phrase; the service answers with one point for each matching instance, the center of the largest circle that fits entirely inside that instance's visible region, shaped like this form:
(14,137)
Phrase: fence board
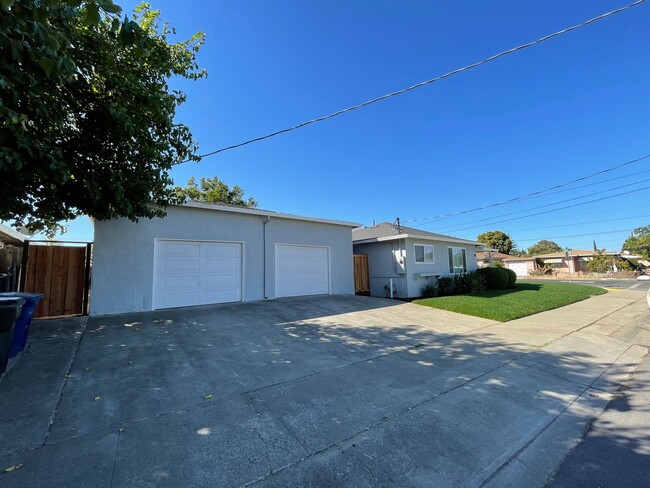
(57,272)
(361,274)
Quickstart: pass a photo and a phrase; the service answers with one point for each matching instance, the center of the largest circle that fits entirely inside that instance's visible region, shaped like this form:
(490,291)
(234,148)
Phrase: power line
(581,223)
(577,235)
(426,82)
(551,204)
(557,209)
(528,195)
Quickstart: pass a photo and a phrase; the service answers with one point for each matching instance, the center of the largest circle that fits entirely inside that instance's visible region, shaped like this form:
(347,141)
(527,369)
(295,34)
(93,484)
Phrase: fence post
(87,279)
(23,266)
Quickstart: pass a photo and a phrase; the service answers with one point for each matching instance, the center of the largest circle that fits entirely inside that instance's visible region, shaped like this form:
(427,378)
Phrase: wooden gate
(61,273)
(361,274)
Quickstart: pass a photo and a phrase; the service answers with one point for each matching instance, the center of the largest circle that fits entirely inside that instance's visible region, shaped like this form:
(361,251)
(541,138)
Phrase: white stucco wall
(382,265)
(440,265)
(122,271)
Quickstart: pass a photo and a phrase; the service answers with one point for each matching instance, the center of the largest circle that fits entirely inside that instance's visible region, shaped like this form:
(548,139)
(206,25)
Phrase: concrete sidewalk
(322,391)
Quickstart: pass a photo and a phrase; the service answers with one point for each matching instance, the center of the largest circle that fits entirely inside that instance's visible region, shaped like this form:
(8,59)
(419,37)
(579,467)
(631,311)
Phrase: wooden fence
(61,274)
(361,274)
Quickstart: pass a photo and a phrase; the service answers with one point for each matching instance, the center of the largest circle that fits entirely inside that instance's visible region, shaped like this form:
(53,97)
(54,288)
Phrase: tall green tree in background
(496,239)
(86,113)
(213,190)
(544,247)
(639,242)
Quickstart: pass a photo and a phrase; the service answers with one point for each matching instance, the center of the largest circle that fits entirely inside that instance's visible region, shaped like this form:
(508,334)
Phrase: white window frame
(451,258)
(433,254)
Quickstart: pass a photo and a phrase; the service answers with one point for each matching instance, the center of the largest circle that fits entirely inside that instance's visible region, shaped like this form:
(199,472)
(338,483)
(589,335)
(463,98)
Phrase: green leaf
(6,4)
(91,14)
(47,65)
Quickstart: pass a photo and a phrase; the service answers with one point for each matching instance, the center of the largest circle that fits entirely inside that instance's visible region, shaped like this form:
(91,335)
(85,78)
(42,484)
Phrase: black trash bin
(10,308)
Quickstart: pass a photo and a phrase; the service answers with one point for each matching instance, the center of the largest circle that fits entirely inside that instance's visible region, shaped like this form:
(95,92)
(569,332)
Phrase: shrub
(445,286)
(461,284)
(429,291)
(495,278)
(476,281)
(512,277)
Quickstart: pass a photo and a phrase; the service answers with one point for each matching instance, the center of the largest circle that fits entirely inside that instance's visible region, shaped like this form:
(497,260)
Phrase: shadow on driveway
(319,391)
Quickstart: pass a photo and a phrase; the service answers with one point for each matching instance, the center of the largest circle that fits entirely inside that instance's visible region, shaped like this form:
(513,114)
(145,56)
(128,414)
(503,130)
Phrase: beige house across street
(563,263)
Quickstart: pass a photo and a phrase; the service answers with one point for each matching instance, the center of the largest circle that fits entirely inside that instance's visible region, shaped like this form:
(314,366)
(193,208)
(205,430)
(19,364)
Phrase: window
(423,253)
(457,260)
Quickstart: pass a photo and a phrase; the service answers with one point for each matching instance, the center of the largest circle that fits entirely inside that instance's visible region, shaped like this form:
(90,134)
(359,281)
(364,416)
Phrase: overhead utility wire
(557,209)
(523,197)
(424,83)
(581,223)
(576,235)
(549,204)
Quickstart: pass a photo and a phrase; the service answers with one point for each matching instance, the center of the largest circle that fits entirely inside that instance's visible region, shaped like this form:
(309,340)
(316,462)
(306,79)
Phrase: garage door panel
(181,282)
(314,253)
(223,281)
(315,266)
(222,250)
(301,270)
(182,248)
(197,273)
(223,265)
(181,265)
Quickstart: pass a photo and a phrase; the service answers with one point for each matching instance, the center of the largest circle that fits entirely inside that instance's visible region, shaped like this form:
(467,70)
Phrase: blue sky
(552,113)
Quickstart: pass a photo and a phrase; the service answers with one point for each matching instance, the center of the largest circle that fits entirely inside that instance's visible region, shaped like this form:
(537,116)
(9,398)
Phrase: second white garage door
(196,273)
(301,270)
(520,268)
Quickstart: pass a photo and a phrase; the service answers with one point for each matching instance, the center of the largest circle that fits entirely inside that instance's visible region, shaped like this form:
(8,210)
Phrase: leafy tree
(86,112)
(601,263)
(639,242)
(496,239)
(213,190)
(544,247)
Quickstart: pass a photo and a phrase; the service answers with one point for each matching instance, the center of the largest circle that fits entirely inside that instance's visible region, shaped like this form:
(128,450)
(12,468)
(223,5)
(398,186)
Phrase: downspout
(268,219)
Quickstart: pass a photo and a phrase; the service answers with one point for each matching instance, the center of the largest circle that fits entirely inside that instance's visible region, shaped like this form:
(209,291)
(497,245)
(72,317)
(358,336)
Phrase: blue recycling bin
(24,320)
(10,308)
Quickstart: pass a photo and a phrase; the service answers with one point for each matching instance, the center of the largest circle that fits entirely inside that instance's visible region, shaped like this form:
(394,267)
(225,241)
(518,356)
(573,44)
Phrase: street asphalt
(316,391)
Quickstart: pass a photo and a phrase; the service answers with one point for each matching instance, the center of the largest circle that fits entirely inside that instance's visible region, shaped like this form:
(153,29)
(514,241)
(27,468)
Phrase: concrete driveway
(318,391)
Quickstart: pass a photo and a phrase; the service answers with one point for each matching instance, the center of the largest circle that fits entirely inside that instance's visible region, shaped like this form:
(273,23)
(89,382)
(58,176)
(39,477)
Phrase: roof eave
(409,236)
(267,213)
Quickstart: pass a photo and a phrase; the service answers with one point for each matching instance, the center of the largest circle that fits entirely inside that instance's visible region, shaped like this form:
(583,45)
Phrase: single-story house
(488,257)
(202,254)
(559,264)
(410,257)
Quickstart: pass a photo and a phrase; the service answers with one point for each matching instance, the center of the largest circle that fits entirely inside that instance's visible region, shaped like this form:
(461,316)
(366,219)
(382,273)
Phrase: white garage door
(520,268)
(301,270)
(196,273)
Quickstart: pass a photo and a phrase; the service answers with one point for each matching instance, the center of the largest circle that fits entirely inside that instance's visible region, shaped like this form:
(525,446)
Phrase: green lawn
(503,305)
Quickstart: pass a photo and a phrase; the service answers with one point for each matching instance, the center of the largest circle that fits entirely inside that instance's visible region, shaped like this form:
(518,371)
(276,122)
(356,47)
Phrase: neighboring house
(522,265)
(201,254)
(410,257)
(11,251)
(488,257)
(577,262)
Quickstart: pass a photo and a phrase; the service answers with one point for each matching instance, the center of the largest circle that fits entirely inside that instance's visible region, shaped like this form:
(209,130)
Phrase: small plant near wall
(445,286)
(429,290)
(476,282)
